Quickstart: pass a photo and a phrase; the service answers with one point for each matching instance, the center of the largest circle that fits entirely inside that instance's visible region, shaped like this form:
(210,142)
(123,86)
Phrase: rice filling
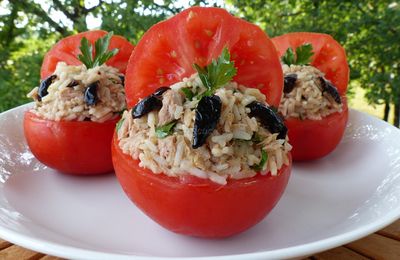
(239,147)
(77,93)
(306,99)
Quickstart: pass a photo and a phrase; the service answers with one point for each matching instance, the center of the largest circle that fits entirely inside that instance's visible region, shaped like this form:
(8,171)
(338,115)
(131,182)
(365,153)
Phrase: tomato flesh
(73,147)
(67,50)
(166,53)
(199,207)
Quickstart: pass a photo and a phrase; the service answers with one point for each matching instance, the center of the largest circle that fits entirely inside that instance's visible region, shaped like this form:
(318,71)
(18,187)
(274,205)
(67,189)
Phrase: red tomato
(165,55)
(329,56)
(313,139)
(199,207)
(67,50)
(74,147)
(167,51)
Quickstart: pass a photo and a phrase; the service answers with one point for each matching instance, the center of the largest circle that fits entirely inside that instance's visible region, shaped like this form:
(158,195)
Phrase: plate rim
(60,250)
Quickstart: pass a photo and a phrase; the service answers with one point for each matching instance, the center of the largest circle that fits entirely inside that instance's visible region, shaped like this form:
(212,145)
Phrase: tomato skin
(313,139)
(199,207)
(329,56)
(72,147)
(167,51)
(67,50)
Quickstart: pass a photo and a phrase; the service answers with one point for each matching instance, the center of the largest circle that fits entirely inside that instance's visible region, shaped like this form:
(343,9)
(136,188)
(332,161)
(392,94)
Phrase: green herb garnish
(217,73)
(119,124)
(264,158)
(101,55)
(288,58)
(165,130)
(188,93)
(301,57)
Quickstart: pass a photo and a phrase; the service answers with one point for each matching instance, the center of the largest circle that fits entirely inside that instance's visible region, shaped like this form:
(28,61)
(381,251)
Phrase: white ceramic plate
(351,193)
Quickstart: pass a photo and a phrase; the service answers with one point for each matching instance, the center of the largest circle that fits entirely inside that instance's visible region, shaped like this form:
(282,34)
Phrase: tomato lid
(329,56)
(67,50)
(167,51)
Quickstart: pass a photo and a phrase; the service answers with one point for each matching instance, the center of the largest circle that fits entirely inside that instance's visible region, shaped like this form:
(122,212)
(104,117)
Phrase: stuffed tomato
(200,149)
(314,103)
(78,103)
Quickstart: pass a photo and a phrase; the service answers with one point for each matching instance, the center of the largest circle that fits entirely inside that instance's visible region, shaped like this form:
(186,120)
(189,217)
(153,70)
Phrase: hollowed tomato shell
(73,147)
(314,139)
(199,207)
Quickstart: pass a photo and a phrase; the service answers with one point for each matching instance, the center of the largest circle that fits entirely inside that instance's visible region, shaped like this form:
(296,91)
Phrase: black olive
(122,78)
(208,112)
(145,106)
(329,88)
(149,103)
(160,91)
(44,85)
(268,118)
(73,84)
(91,93)
(289,82)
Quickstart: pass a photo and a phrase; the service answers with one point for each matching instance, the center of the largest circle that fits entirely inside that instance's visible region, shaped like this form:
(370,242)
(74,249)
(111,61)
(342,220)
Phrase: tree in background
(368,29)
(376,53)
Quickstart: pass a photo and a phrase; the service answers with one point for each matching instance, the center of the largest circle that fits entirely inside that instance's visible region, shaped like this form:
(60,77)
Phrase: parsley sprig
(302,55)
(165,130)
(217,73)
(119,124)
(263,161)
(188,93)
(101,53)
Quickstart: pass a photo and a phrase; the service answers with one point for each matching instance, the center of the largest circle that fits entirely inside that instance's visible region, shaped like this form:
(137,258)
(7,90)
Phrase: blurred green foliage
(368,29)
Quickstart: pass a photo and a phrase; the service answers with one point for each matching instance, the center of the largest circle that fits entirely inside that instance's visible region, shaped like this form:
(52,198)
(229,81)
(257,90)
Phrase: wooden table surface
(384,244)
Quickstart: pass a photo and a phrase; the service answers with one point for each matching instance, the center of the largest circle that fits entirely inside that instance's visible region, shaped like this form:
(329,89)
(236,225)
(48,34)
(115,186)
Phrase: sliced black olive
(145,106)
(268,118)
(44,85)
(73,84)
(149,103)
(328,87)
(91,93)
(208,112)
(122,78)
(160,91)
(289,82)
